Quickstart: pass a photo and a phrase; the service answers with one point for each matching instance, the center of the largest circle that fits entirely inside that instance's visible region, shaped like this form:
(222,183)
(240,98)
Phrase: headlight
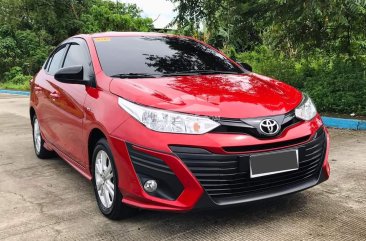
(167,121)
(306,110)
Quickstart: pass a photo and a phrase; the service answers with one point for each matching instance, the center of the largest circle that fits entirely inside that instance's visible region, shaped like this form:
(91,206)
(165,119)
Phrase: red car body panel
(212,95)
(68,114)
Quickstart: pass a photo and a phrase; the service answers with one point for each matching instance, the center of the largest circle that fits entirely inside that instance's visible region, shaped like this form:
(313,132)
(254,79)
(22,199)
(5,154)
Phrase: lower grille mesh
(227,176)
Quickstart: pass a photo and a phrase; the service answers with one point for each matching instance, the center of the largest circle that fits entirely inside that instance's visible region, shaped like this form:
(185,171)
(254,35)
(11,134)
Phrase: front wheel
(105,181)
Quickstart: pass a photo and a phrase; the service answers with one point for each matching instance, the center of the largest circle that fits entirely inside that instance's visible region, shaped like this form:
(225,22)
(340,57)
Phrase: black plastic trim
(150,167)
(281,144)
(251,126)
(226,178)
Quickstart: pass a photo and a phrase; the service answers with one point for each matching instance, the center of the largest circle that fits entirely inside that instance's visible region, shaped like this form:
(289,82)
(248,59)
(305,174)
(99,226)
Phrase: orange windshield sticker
(104,39)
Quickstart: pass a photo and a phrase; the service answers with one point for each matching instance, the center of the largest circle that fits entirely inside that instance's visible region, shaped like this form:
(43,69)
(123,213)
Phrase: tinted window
(56,61)
(158,56)
(47,63)
(77,55)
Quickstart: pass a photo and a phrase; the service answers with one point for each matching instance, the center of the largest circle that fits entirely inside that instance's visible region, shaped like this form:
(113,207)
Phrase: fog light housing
(150,185)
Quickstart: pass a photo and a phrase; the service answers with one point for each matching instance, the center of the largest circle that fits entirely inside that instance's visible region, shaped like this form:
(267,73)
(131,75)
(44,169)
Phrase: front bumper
(199,178)
(226,179)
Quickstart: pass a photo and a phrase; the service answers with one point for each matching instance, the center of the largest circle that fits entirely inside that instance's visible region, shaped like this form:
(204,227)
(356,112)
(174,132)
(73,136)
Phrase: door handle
(37,88)
(55,95)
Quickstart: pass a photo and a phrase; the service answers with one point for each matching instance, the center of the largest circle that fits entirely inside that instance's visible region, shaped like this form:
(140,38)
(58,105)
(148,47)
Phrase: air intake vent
(227,177)
(149,167)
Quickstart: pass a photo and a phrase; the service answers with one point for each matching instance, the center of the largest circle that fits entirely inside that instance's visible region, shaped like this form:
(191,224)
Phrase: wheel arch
(94,136)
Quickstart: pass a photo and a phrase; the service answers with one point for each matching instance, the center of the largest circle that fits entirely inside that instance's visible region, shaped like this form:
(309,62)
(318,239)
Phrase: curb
(341,123)
(15,92)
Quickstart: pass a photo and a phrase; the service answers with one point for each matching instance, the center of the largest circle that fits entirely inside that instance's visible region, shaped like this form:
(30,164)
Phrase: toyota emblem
(269,127)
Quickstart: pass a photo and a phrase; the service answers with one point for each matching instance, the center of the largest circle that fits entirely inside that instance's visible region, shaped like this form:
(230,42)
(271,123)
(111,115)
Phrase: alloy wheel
(37,136)
(104,179)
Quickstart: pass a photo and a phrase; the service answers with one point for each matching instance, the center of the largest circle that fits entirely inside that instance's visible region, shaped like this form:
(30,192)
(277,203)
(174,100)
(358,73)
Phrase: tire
(108,196)
(38,142)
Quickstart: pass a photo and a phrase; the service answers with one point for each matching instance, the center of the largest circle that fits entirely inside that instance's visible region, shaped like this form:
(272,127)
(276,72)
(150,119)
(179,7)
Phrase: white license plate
(273,162)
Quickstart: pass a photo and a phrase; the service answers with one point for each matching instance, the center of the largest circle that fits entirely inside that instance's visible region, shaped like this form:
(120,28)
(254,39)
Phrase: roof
(124,34)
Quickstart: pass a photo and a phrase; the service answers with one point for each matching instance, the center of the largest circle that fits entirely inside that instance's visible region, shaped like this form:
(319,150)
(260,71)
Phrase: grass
(13,86)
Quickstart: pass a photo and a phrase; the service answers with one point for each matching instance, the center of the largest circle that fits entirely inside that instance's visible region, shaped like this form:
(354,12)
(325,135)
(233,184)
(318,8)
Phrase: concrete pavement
(48,200)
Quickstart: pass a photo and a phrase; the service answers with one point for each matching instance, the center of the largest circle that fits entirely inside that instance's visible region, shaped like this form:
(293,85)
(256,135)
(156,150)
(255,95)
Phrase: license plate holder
(270,163)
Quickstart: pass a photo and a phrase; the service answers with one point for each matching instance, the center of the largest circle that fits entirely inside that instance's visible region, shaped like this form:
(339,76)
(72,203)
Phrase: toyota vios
(169,123)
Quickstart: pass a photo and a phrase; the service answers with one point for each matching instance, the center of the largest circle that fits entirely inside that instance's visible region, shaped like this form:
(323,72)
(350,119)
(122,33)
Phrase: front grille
(227,176)
(251,126)
(280,144)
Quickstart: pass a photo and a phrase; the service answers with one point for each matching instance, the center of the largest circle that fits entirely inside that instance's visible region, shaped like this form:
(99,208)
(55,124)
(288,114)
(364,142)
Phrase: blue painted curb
(15,92)
(344,123)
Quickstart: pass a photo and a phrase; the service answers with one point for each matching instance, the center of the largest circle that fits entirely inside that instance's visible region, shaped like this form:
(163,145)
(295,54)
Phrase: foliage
(336,83)
(298,27)
(15,79)
(319,46)
(108,16)
(30,29)
(12,86)
(294,27)
(226,22)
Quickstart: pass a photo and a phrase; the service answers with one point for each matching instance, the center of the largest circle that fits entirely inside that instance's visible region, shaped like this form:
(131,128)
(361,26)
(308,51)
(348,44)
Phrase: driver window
(55,62)
(76,55)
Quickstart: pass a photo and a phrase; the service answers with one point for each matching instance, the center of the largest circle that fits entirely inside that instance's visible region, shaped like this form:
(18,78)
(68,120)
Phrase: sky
(154,9)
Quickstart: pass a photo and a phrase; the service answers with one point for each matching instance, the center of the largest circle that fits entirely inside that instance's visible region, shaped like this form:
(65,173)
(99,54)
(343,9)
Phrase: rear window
(158,56)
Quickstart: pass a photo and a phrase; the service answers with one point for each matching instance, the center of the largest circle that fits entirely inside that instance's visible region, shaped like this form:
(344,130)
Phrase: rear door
(68,122)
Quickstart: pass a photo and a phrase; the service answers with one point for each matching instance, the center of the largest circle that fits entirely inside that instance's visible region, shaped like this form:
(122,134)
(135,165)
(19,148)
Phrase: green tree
(298,26)
(109,16)
(292,27)
(226,22)
(30,29)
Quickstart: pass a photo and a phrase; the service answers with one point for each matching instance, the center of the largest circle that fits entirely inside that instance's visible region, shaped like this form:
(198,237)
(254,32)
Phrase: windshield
(158,56)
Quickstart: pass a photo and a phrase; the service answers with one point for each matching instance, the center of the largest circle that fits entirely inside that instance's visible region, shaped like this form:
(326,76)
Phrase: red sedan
(166,122)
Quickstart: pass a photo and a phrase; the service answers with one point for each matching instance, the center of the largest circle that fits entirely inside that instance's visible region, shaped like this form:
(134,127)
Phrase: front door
(70,104)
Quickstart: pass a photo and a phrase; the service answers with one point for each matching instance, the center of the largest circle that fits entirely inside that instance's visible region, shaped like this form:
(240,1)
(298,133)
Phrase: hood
(229,96)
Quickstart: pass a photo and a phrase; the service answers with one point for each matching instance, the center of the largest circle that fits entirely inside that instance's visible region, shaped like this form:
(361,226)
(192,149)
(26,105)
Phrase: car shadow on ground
(270,207)
(252,217)
(253,213)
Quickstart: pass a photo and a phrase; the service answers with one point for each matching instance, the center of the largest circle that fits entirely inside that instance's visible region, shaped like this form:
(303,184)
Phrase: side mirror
(71,75)
(246,66)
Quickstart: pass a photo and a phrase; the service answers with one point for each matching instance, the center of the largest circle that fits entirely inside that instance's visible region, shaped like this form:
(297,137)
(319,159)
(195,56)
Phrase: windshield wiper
(198,72)
(181,73)
(134,75)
